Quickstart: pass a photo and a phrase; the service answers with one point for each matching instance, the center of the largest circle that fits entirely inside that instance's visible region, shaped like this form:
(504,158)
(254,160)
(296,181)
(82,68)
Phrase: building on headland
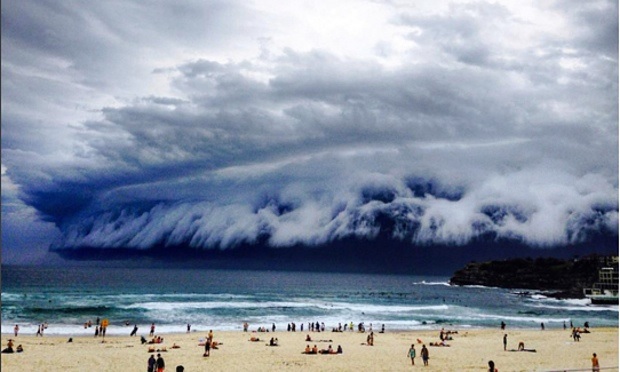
(605,290)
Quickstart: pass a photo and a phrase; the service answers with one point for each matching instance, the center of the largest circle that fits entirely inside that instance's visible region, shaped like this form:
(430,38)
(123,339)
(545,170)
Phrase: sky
(211,124)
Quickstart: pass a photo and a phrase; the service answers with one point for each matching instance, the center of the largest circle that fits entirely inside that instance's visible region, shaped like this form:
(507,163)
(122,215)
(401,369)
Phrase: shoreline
(143,329)
(470,349)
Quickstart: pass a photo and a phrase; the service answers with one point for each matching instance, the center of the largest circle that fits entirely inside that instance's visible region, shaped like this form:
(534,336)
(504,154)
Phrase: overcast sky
(211,123)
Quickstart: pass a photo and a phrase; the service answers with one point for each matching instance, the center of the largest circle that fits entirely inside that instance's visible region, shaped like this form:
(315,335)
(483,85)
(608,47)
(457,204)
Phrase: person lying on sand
(175,346)
(522,348)
(329,350)
(157,340)
(254,339)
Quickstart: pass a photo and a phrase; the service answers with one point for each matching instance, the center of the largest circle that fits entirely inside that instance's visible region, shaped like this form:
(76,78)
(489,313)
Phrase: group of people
(423,353)
(156,365)
(42,327)
(209,344)
(156,340)
(314,327)
(9,348)
(329,350)
(446,335)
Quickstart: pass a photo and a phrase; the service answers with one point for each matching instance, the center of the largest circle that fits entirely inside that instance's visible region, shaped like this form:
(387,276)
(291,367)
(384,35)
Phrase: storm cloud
(215,124)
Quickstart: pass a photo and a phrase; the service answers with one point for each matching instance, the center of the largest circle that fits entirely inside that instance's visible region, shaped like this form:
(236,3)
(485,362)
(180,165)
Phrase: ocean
(66,298)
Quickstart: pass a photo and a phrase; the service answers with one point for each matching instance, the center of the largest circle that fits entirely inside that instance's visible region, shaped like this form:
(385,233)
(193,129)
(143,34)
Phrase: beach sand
(470,350)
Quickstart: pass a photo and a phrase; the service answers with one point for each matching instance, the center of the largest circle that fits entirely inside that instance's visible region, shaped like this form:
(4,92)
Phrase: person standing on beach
(134,331)
(189,326)
(411,354)
(16,330)
(151,364)
(152,333)
(492,366)
(595,365)
(207,349)
(505,341)
(161,365)
(424,354)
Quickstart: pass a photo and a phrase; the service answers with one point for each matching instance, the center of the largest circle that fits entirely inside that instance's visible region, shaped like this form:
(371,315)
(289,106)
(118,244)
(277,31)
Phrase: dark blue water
(224,299)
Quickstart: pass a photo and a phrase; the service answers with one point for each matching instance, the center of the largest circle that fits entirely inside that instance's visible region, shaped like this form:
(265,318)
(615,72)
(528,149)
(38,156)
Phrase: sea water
(66,298)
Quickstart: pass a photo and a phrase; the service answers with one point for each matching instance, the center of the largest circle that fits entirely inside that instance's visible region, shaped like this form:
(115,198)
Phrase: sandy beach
(470,350)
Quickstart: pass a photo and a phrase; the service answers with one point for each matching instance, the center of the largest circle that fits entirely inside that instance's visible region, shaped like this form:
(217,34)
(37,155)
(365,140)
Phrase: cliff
(566,277)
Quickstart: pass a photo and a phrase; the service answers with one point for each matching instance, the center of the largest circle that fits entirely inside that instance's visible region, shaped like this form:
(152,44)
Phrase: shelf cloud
(215,124)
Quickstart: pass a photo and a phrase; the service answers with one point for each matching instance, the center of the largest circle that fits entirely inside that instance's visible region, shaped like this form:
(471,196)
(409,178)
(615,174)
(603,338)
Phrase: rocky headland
(561,278)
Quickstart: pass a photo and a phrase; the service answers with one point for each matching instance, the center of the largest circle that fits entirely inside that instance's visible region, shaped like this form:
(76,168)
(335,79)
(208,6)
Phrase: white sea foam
(424,282)
(538,297)
(575,308)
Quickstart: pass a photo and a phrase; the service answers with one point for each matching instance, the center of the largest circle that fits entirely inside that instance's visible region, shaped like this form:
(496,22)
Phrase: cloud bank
(212,125)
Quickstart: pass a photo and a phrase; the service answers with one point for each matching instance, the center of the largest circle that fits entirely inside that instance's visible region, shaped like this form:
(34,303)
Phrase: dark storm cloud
(483,124)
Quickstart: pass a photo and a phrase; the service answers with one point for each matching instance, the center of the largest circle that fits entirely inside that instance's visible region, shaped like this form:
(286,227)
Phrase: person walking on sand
(424,354)
(595,365)
(505,341)
(151,364)
(161,365)
(411,354)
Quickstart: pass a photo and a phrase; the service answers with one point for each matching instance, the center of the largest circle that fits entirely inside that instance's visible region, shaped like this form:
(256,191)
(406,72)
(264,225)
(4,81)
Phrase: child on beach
(595,365)
(411,354)
(207,349)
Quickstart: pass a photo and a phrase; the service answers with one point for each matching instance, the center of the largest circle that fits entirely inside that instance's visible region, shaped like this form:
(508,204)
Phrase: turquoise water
(224,299)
